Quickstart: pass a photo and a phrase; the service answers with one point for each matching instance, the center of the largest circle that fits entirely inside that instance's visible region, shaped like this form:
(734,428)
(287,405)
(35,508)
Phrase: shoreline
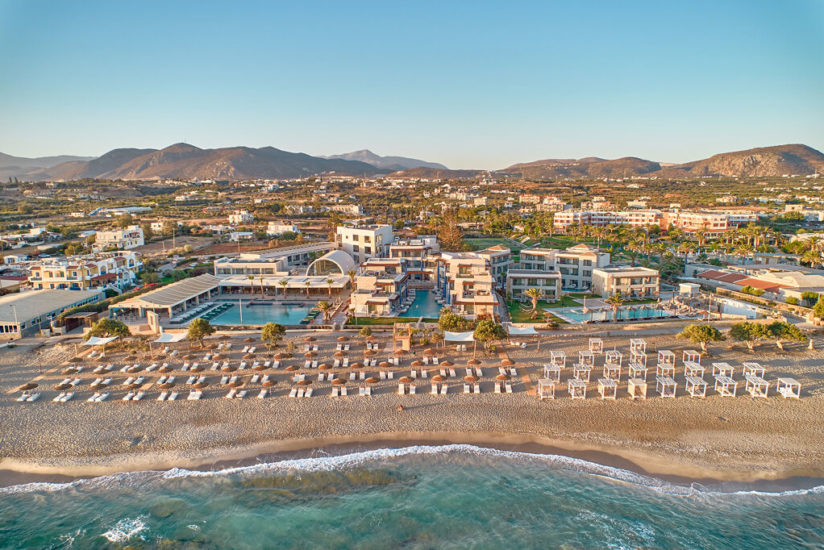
(670,468)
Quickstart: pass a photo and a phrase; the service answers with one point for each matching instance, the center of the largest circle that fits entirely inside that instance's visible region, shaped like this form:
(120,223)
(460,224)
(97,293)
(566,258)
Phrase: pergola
(637,388)
(696,386)
(613,357)
(577,389)
(608,388)
(586,357)
(638,344)
(558,358)
(596,345)
(693,369)
(637,356)
(665,386)
(722,369)
(754,369)
(581,371)
(637,370)
(666,357)
(546,388)
(757,386)
(552,372)
(789,388)
(725,386)
(691,355)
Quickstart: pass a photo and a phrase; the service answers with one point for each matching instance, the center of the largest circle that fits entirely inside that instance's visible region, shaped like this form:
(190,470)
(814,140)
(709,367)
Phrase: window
(355,248)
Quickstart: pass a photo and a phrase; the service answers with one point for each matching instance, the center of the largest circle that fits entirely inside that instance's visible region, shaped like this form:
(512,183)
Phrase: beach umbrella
(429,351)
(338,382)
(446,363)
(400,352)
(249,340)
(383,364)
(473,361)
(259,366)
(503,377)
(304,382)
(27,386)
(269,383)
(309,339)
(166,385)
(167,368)
(309,354)
(193,369)
(370,338)
(70,370)
(186,357)
(369,352)
(200,385)
(438,378)
(249,356)
(228,368)
(355,365)
(292,368)
(281,355)
(323,366)
(236,384)
(471,378)
(339,354)
(416,363)
(405,380)
(507,362)
(372,380)
(342,338)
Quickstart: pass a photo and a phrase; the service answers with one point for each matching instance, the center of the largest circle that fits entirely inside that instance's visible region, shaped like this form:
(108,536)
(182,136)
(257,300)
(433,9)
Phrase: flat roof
(37,303)
(174,293)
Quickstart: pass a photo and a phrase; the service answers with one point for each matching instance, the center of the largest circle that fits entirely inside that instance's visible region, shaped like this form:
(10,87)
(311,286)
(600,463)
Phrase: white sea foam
(338,462)
(125,529)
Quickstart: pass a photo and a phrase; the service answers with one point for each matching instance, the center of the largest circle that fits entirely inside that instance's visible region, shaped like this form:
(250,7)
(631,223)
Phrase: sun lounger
(162,396)
(171,379)
(241,394)
(264,379)
(444,389)
(128,396)
(191,380)
(401,389)
(382,375)
(497,387)
(91,399)
(368,391)
(267,364)
(435,360)
(253,349)
(412,389)
(434,389)
(293,392)
(477,388)
(263,393)
(361,391)
(233,379)
(344,391)
(103,397)
(173,396)
(276,364)
(59,396)
(242,365)
(231,394)
(139,395)
(67,397)
(174,353)
(309,392)
(301,392)
(224,379)
(245,349)
(215,365)
(255,378)
(23,397)
(452,373)
(314,364)
(352,376)
(346,347)
(508,387)
(185,366)
(467,388)
(479,372)
(513,371)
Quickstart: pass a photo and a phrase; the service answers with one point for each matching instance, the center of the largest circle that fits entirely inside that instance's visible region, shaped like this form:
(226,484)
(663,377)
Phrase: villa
(631,282)
(115,269)
(124,239)
(575,264)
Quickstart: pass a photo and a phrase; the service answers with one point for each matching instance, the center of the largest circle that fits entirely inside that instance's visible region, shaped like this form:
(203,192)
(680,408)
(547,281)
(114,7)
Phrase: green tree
(487,331)
(818,308)
(782,330)
(272,334)
(106,328)
(749,333)
(365,332)
(284,283)
(615,302)
(325,309)
(199,329)
(452,322)
(701,334)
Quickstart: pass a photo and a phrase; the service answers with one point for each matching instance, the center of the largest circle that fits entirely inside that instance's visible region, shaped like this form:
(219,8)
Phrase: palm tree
(615,301)
(534,294)
(252,285)
(352,274)
(307,287)
(325,309)
(260,278)
(329,283)
(284,283)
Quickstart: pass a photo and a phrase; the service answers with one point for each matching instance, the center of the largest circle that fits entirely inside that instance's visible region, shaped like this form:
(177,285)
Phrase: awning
(96,341)
(458,336)
(521,331)
(168,337)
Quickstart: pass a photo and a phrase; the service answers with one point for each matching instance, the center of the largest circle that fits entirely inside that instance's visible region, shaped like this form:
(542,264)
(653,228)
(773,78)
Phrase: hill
(18,167)
(387,163)
(435,173)
(186,161)
(760,162)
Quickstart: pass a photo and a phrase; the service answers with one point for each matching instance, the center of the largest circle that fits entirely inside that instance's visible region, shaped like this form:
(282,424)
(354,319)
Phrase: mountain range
(184,161)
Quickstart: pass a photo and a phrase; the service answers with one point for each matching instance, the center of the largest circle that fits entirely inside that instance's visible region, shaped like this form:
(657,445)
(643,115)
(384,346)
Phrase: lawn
(519,316)
(486,242)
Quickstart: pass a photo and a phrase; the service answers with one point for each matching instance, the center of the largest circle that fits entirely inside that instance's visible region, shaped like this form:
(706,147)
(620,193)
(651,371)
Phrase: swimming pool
(424,305)
(260,314)
(625,313)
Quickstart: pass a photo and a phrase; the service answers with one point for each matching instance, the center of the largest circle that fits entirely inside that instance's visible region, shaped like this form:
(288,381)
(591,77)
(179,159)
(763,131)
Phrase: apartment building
(631,282)
(575,264)
(278,228)
(122,239)
(240,217)
(380,287)
(631,218)
(519,280)
(365,241)
(418,255)
(465,282)
(500,258)
(117,269)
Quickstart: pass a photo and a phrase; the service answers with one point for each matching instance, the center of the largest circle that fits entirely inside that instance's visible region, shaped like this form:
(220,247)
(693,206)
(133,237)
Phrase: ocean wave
(125,529)
(360,458)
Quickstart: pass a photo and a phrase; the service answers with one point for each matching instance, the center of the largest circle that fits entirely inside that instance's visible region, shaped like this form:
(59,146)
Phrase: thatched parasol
(259,366)
(269,383)
(355,365)
(446,363)
(339,354)
(304,382)
(438,378)
(372,380)
(70,370)
(323,366)
(292,368)
(224,337)
(416,363)
(309,354)
(473,361)
(249,356)
(61,387)
(507,362)
(338,382)
(471,378)
(429,351)
(249,340)
(503,377)
(370,338)
(383,364)
(167,368)
(342,338)
(166,385)
(228,368)
(236,383)
(370,352)
(193,369)
(200,385)
(281,355)
(405,380)
(309,339)
(27,386)
(187,357)
(400,352)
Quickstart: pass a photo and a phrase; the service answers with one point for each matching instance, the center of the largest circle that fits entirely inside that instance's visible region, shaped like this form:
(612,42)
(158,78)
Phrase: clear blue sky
(469,84)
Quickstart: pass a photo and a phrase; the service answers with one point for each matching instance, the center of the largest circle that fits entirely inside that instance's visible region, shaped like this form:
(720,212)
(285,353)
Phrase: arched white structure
(334,262)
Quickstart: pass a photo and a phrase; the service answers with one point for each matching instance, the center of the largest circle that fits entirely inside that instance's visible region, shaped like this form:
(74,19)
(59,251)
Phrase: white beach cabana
(789,388)
(637,388)
(523,332)
(696,386)
(608,388)
(638,344)
(637,370)
(577,389)
(596,345)
(725,386)
(460,338)
(170,337)
(552,372)
(722,369)
(586,357)
(665,386)
(752,368)
(757,386)
(546,388)
(558,358)
(691,355)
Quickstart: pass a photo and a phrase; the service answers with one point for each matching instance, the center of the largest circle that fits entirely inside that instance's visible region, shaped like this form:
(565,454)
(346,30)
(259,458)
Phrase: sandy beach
(732,439)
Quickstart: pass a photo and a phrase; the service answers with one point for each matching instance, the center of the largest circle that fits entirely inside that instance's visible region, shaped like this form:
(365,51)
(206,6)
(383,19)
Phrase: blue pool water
(260,314)
(423,306)
(578,315)
(455,496)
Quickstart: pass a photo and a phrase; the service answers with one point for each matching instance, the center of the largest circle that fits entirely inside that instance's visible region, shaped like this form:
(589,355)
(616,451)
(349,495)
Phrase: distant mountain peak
(387,163)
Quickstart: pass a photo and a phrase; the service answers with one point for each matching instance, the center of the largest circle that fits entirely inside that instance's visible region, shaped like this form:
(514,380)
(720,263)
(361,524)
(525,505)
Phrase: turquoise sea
(455,496)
